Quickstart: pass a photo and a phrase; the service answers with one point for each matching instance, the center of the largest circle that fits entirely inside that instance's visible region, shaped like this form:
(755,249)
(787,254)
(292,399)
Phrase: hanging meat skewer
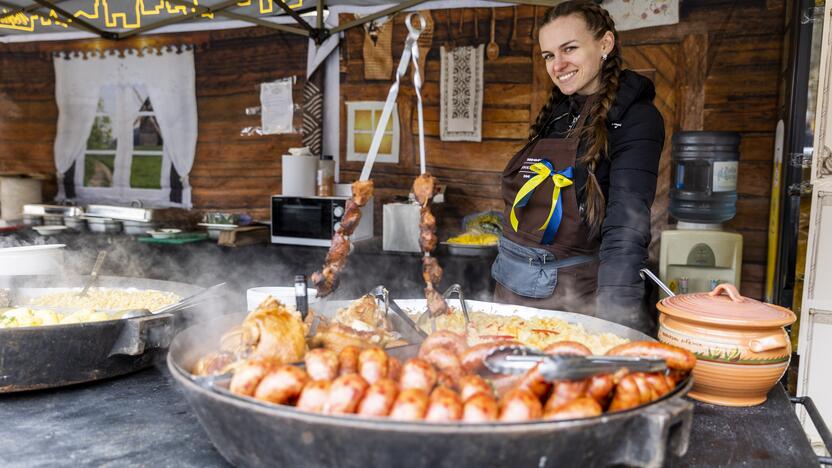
(424,187)
(326,280)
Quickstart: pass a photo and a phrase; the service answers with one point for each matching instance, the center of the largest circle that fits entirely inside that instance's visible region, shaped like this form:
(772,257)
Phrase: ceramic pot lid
(725,306)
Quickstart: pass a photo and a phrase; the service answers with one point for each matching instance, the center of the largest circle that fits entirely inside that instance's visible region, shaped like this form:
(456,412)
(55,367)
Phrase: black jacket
(627,176)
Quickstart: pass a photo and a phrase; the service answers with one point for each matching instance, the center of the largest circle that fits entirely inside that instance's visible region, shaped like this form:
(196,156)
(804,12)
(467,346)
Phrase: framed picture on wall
(362,119)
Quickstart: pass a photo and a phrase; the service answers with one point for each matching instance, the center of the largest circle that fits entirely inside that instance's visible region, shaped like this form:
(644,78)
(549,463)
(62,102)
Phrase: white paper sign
(277,108)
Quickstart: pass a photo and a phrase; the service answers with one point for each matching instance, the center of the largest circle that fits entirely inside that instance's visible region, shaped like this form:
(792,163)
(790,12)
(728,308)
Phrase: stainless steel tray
(471,250)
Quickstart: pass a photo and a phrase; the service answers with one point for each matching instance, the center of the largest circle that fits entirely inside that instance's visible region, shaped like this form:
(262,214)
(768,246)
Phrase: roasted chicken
(271,332)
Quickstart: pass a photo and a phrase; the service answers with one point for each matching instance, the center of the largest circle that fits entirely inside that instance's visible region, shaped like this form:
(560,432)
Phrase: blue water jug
(704,176)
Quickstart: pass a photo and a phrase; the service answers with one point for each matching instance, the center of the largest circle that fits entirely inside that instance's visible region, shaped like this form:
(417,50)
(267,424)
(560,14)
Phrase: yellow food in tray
(26,317)
(474,238)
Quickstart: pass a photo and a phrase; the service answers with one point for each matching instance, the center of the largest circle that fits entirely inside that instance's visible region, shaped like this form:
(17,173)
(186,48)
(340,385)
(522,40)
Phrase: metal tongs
(400,321)
(453,289)
(519,359)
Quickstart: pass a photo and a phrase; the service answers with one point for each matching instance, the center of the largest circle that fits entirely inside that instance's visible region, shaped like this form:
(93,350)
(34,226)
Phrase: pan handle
(142,333)
(669,421)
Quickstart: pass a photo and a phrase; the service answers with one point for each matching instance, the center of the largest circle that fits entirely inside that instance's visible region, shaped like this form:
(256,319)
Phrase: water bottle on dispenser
(697,252)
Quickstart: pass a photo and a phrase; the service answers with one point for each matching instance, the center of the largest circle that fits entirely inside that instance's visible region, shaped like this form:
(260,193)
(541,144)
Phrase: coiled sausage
(372,365)
(410,405)
(379,398)
(282,386)
(321,364)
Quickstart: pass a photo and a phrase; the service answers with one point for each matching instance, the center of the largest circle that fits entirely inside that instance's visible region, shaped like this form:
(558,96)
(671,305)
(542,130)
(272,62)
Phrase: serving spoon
(99,261)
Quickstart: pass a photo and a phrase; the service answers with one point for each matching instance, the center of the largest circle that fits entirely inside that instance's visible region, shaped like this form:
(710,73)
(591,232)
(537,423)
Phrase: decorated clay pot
(740,343)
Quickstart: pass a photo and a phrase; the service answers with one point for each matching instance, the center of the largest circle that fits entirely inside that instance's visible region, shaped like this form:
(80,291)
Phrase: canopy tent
(25,20)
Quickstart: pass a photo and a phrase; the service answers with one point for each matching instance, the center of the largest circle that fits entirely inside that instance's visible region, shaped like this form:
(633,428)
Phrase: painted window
(124,158)
(362,119)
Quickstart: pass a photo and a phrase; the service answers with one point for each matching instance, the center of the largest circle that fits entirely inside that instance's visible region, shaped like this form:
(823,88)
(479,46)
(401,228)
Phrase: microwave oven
(313,220)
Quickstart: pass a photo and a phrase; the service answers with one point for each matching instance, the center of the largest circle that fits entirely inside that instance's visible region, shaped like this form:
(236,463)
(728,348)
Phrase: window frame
(121,191)
(395,133)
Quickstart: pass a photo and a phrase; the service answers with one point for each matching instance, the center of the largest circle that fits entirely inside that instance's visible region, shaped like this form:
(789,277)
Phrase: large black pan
(250,433)
(52,356)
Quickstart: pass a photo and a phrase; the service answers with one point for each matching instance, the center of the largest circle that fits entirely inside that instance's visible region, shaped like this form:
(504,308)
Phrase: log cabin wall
(230,172)
(718,69)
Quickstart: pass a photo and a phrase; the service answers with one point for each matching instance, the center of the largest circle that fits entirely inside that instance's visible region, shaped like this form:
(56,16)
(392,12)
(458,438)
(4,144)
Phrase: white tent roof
(27,20)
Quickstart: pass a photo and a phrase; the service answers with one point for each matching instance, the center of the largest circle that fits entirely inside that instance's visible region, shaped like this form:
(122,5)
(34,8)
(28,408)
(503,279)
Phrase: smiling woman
(578,195)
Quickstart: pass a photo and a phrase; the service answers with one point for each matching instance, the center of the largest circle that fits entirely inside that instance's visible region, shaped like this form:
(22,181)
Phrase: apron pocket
(526,271)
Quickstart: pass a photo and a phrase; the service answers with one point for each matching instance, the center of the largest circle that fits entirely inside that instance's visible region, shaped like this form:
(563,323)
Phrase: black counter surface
(143,420)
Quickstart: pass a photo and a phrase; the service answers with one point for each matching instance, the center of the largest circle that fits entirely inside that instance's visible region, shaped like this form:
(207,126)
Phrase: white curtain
(77,88)
(167,75)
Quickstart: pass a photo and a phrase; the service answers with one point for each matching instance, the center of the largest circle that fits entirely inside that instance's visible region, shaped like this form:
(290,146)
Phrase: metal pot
(104,225)
(251,433)
(137,228)
(53,356)
(75,223)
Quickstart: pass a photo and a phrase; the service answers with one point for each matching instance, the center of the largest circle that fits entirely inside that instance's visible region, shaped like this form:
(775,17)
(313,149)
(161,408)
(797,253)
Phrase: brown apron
(574,285)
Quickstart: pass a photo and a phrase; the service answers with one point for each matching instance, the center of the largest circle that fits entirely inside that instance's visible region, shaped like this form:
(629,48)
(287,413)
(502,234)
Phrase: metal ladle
(645,271)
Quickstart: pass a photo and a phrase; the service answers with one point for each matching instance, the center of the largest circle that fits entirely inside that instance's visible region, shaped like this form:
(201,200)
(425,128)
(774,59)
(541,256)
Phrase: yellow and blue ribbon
(544,170)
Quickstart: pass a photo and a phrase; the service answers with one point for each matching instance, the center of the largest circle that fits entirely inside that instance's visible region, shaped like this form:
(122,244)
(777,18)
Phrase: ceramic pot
(740,343)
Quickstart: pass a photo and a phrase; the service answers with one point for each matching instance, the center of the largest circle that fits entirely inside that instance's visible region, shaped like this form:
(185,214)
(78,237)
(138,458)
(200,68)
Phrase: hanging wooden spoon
(449,42)
(512,43)
(476,26)
(493,50)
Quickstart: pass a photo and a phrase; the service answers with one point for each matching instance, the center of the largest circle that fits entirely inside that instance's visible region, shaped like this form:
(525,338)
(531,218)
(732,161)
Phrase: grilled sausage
(567,348)
(321,364)
(481,407)
(394,369)
(248,376)
(345,394)
(446,362)
(534,382)
(676,358)
(600,387)
(348,360)
(445,406)
(418,373)
(372,364)
(314,395)
(627,395)
(566,391)
(410,405)
(520,405)
(469,385)
(443,339)
(646,392)
(473,358)
(584,407)
(282,386)
(658,383)
(505,383)
(379,398)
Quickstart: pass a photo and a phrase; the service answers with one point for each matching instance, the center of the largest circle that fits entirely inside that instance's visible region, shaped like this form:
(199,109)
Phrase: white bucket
(286,295)
(32,260)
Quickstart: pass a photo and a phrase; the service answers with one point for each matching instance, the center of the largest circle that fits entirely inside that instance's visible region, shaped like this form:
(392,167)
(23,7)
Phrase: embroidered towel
(461,93)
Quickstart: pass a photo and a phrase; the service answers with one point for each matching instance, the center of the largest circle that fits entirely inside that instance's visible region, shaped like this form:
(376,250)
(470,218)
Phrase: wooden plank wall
(718,69)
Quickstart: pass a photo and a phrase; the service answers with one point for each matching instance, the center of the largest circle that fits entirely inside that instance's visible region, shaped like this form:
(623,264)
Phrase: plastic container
(704,176)
(325,178)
